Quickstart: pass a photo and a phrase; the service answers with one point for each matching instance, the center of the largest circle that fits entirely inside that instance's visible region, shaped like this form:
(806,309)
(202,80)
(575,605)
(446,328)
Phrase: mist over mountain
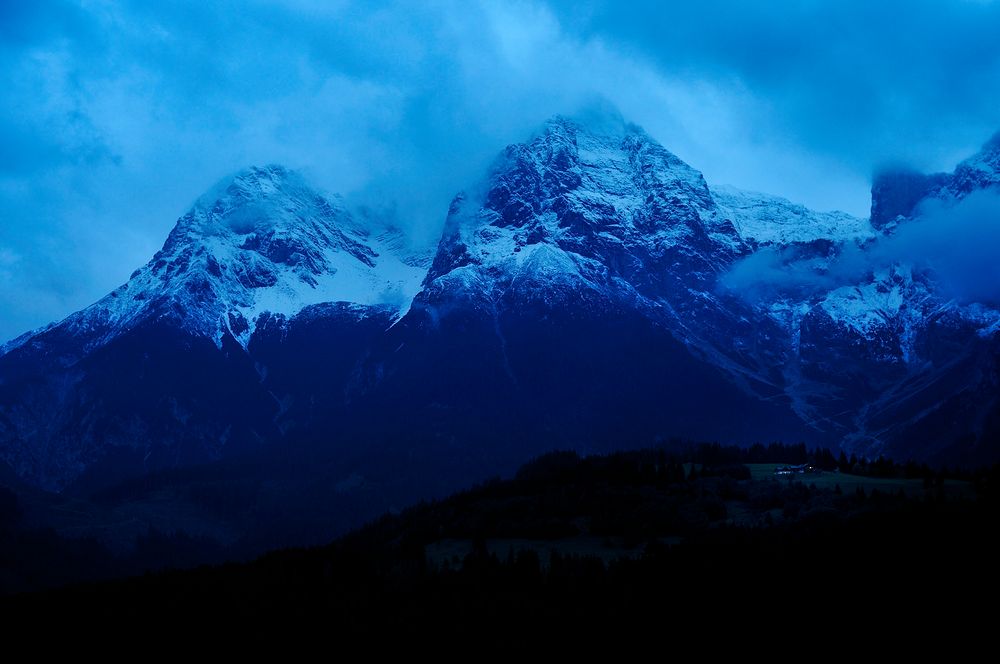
(113,117)
(589,291)
(941,223)
(488,322)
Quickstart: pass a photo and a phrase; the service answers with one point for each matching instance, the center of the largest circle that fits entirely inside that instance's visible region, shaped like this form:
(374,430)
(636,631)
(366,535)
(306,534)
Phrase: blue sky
(114,117)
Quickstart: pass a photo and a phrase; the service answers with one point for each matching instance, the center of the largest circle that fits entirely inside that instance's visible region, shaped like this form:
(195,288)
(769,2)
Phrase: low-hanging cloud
(956,243)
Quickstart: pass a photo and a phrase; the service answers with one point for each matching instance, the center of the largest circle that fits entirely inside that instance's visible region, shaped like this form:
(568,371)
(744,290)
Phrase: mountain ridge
(585,270)
(259,241)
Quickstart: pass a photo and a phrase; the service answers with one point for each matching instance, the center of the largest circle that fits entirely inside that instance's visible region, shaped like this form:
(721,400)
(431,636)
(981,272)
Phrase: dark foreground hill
(703,539)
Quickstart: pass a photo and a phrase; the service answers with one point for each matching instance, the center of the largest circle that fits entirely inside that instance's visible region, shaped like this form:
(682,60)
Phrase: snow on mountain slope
(262,241)
(866,306)
(594,206)
(771,220)
(906,294)
(153,375)
(887,354)
(596,219)
(587,259)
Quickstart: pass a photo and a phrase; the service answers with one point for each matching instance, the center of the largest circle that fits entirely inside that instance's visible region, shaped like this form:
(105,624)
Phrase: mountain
(897,193)
(937,354)
(262,241)
(880,352)
(156,374)
(572,302)
(586,283)
(762,220)
(589,291)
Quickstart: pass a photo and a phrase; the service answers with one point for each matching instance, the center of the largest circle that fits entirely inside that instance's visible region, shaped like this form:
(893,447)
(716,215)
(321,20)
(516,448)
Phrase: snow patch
(260,242)
(772,220)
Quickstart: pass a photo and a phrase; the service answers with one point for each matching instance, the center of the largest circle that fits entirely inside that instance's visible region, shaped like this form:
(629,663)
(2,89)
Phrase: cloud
(959,242)
(792,272)
(956,243)
(860,81)
(115,116)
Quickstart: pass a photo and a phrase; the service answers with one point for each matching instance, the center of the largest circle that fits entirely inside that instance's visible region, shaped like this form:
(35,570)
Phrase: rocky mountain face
(572,300)
(582,295)
(157,374)
(896,194)
(914,367)
(601,223)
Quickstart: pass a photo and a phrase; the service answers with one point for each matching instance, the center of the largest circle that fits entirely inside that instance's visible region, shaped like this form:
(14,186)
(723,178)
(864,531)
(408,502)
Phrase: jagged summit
(594,204)
(274,212)
(577,292)
(253,183)
(272,198)
(261,241)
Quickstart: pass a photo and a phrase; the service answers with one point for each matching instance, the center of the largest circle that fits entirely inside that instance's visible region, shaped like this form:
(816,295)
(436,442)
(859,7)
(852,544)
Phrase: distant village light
(801,469)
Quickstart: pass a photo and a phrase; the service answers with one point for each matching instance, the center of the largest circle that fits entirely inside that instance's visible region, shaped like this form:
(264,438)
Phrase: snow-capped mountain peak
(579,289)
(591,202)
(274,213)
(261,241)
